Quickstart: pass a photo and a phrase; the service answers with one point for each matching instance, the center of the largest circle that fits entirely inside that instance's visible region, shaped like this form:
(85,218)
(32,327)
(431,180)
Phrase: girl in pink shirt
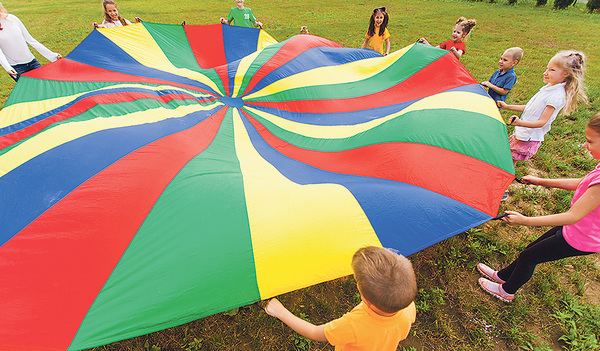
(576,232)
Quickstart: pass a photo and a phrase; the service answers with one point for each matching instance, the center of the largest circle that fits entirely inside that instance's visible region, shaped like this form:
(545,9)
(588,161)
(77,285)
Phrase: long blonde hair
(573,62)
(3,12)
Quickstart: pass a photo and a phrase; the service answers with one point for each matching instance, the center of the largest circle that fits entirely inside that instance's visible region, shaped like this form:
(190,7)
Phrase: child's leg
(506,272)
(549,247)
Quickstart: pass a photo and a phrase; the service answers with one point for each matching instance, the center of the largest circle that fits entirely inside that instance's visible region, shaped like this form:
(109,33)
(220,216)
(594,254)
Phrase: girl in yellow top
(378,33)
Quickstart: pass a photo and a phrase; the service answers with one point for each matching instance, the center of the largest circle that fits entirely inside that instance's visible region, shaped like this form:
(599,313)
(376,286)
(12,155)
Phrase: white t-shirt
(13,44)
(549,95)
(106,24)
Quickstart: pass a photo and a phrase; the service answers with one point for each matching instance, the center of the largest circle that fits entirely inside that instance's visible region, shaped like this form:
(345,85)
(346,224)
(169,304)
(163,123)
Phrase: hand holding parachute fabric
(159,174)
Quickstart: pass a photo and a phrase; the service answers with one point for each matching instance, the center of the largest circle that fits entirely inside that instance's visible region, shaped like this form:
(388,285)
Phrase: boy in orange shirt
(387,286)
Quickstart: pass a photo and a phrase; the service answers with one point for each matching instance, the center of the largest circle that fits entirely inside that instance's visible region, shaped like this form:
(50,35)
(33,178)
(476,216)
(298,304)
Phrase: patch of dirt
(592,288)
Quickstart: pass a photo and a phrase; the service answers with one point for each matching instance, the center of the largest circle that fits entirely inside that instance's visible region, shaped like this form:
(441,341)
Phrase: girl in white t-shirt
(112,17)
(564,89)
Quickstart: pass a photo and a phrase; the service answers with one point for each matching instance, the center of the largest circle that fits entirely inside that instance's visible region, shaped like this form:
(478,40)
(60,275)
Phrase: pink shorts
(523,150)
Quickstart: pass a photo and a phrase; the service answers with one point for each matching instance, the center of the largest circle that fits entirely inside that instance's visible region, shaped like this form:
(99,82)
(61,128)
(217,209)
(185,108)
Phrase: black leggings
(551,246)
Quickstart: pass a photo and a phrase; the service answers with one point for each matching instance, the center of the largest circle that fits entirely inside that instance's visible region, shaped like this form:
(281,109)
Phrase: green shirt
(241,18)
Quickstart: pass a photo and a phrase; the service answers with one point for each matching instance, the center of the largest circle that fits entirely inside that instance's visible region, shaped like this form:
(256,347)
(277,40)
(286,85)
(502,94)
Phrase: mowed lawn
(453,314)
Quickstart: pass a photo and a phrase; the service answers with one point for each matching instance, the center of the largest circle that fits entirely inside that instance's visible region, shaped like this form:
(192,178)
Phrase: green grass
(550,312)
(541,31)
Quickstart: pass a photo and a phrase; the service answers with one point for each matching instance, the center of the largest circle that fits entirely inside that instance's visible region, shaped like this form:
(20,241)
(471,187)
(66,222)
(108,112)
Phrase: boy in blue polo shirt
(505,77)
(241,16)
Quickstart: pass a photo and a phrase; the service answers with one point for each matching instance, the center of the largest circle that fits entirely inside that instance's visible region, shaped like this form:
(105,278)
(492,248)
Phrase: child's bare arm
(504,105)
(567,184)
(387,45)
(308,330)
(548,111)
(584,205)
(364,45)
(456,52)
(495,88)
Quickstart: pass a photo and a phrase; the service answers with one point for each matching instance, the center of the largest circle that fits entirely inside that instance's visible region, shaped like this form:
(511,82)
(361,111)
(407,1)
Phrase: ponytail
(466,24)
(572,62)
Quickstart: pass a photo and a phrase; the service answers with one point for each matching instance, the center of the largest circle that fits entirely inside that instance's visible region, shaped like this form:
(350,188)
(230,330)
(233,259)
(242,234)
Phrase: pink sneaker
(489,273)
(495,290)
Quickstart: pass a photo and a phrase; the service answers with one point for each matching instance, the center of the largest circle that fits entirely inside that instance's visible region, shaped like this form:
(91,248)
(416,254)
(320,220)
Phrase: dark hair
(107,18)
(383,26)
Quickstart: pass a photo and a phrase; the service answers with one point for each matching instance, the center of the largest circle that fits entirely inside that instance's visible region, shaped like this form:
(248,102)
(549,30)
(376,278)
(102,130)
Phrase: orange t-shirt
(363,329)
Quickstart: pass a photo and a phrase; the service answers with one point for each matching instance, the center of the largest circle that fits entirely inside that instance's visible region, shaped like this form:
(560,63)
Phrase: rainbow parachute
(162,173)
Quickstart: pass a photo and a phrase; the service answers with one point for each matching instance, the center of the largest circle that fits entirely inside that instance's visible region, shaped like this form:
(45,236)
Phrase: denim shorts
(25,67)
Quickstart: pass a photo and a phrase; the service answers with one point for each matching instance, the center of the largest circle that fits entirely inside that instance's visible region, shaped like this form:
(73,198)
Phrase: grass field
(558,309)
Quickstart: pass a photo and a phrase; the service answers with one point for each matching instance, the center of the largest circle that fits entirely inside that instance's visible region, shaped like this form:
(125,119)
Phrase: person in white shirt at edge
(15,56)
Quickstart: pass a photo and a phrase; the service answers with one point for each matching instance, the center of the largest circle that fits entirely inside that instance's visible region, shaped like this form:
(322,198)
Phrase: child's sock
(495,290)
(489,273)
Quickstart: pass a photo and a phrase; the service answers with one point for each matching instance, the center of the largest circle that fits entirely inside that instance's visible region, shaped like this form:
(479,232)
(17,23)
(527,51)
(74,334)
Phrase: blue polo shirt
(504,80)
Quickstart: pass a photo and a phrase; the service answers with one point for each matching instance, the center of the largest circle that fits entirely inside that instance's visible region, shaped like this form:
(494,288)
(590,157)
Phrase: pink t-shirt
(584,235)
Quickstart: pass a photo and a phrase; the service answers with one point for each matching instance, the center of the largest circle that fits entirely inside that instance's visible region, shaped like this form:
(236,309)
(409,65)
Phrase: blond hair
(3,12)
(516,53)
(573,62)
(466,25)
(384,278)
(594,123)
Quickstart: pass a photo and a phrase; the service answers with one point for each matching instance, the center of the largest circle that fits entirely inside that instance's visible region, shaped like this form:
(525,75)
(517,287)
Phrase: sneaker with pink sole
(495,290)
(489,273)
